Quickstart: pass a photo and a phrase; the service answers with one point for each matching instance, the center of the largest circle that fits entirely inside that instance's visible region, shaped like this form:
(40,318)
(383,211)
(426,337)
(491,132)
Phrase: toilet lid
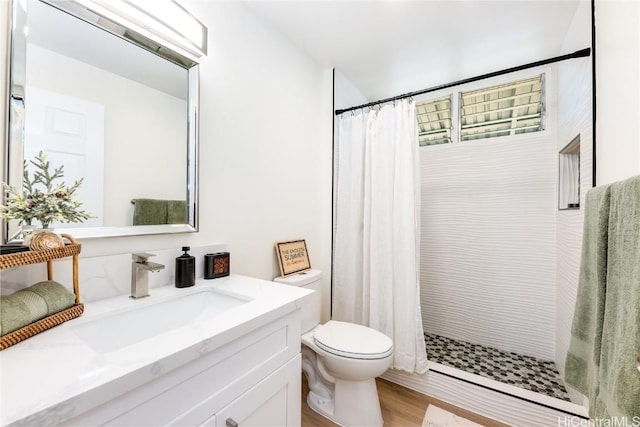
(353,341)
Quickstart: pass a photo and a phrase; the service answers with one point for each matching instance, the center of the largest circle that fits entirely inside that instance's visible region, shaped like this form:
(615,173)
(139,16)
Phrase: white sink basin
(147,318)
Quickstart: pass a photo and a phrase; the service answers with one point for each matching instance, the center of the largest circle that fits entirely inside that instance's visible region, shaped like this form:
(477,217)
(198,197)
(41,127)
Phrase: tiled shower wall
(488,244)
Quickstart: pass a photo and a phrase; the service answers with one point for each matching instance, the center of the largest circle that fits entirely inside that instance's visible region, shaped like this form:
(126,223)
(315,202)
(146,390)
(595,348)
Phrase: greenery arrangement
(42,199)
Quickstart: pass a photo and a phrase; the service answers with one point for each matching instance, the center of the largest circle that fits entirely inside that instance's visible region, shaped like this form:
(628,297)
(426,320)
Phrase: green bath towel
(583,358)
(56,296)
(619,391)
(32,304)
(605,335)
(150,212)
(154,212)
(176,212)
(14,314)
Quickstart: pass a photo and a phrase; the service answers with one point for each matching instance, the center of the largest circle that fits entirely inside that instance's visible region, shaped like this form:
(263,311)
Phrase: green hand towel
(56,296)
(150,212)
(14,314)
(583,358)
(176,212)
(33,303)
(619,391)
(36,305)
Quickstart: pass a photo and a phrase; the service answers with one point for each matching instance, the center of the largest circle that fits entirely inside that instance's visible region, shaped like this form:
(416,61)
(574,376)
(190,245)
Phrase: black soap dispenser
(185,269)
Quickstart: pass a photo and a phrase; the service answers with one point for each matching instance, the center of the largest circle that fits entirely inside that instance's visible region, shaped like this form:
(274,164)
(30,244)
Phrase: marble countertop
(55,375)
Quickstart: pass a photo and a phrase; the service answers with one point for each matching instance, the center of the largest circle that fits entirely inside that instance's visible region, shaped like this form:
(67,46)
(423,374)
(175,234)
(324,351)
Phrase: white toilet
(341,361)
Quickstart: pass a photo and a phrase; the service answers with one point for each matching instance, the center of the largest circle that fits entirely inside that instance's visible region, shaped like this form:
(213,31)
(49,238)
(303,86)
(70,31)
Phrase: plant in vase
(44,197)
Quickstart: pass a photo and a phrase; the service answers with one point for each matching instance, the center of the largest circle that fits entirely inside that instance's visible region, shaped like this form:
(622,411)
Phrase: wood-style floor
(401,407)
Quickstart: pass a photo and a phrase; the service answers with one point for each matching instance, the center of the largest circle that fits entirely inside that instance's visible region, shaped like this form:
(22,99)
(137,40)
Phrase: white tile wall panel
(488,243)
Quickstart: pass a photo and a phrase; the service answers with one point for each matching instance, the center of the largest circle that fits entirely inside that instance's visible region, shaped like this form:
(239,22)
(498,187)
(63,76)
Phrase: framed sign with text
(292,257)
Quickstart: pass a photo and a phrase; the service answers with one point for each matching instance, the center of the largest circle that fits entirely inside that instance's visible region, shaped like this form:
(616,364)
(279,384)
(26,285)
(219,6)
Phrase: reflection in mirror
(119,116)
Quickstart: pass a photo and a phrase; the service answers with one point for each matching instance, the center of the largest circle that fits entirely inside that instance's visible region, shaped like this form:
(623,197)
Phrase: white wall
(488,236)
(617,86)
(264,154)
(574,117)
(138,141)
(265,147)
(346,94)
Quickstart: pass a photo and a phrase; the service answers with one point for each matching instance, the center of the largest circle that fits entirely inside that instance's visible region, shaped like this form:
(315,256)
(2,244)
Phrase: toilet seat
(352,341)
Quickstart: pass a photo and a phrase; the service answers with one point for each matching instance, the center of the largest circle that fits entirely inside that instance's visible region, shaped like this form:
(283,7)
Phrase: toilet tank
(311,308)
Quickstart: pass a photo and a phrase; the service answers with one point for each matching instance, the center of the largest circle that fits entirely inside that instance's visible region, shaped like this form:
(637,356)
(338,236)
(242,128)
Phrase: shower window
(434,121)
(508,109)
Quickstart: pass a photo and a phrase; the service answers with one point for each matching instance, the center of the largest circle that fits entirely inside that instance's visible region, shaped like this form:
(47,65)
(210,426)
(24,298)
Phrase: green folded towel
(619,391)
(32,304)
(583,358)
(150,212)
(153,212)
(56,296)
(176,212)
(14,314)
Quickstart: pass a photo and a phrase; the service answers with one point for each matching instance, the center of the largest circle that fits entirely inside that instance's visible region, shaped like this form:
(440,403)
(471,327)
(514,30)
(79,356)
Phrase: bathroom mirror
(112,106)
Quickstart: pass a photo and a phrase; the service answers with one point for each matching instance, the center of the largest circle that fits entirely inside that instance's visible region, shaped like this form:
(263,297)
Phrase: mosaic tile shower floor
(521,371)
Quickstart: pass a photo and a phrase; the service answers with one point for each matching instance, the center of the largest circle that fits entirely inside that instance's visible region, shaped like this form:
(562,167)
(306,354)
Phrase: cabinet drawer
(275,401)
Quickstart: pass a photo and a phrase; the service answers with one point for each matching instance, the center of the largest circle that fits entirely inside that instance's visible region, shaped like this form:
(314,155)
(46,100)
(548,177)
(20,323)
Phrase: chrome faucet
(139,274)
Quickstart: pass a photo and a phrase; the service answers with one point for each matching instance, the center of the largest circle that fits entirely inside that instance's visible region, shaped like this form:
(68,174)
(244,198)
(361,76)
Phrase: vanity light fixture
(163,21)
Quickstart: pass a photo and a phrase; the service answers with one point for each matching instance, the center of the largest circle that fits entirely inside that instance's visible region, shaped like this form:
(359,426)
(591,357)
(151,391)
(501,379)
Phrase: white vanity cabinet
(254,380)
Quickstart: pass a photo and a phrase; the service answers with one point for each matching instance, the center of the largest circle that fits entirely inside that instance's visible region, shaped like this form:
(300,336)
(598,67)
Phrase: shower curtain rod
(577,54)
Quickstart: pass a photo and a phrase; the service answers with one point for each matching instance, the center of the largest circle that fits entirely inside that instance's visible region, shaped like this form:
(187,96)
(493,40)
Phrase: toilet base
(345,411)
(321,406)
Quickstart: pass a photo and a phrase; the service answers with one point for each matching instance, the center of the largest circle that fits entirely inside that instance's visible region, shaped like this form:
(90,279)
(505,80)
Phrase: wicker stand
(34,257)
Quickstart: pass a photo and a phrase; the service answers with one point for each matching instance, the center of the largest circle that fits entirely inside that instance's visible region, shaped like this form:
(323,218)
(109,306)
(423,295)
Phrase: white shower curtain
(377,234)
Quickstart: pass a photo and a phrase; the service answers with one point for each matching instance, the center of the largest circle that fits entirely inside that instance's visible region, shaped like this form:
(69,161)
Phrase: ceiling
(386,48)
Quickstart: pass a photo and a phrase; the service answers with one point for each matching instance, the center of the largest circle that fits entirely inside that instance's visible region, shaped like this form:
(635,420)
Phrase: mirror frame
(14,140)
